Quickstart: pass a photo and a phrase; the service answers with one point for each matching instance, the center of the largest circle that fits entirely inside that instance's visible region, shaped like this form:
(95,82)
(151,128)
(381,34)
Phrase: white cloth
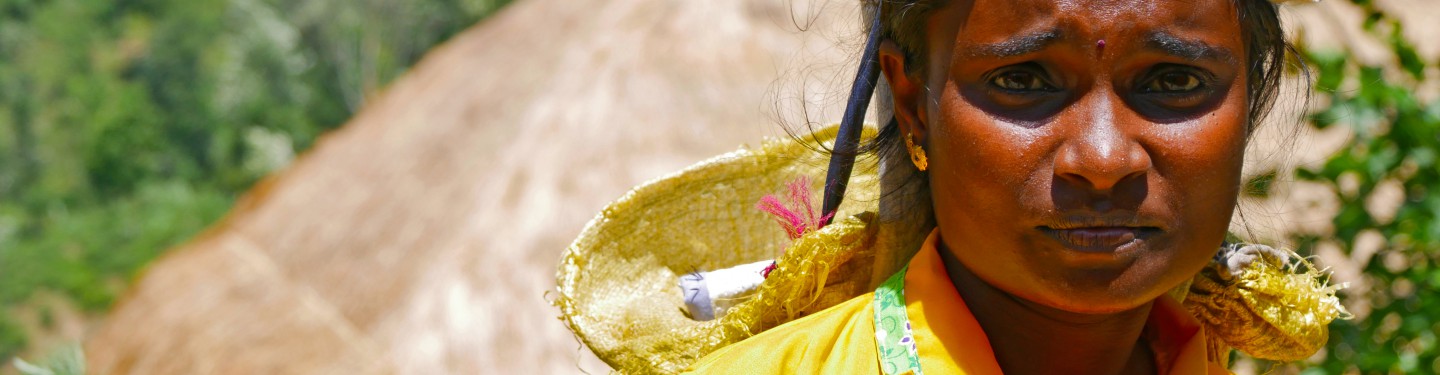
(708,295)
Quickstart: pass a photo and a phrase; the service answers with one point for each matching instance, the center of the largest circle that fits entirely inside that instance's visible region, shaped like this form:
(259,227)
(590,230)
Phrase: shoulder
(840,339)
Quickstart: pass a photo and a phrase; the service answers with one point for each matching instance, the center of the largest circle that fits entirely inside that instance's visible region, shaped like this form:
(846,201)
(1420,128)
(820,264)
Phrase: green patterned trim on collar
(894,341)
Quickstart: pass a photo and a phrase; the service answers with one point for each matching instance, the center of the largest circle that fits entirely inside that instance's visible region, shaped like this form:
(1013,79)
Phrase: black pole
(847,142)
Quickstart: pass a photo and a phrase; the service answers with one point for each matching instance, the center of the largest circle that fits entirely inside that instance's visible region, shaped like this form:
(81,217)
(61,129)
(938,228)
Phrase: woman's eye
(1020,80)
(1173,82)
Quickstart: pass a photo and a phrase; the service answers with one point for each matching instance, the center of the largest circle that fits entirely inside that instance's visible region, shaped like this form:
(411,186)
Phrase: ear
(906,90)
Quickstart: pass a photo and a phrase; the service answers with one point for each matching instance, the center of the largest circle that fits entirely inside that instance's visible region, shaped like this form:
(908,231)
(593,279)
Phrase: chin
(1098,292)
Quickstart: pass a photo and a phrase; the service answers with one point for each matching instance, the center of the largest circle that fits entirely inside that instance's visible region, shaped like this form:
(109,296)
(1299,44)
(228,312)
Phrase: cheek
(1198,164)
(987,158)
(982,170)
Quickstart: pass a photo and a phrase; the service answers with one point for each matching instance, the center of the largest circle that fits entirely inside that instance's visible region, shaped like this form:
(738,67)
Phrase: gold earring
(917,154)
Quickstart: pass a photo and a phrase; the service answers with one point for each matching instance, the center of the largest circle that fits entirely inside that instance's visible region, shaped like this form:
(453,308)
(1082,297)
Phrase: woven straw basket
(618,281)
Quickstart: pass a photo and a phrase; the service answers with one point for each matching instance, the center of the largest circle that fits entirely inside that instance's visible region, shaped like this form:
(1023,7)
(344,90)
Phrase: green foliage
(11,338)
(1260,185)
(128,126)
(1396,141)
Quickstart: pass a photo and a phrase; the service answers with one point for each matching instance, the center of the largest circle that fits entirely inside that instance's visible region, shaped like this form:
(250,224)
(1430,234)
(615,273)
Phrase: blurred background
(385,186)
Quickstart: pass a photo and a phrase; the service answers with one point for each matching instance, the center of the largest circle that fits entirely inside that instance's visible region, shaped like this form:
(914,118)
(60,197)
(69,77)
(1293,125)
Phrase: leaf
(1259,186)
(1405,52)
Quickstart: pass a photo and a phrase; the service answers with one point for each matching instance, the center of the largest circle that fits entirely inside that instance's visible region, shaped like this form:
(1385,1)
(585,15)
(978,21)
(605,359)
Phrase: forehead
(1115,21)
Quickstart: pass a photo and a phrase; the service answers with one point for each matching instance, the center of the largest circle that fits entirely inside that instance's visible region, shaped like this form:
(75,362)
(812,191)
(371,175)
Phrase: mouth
(1101,233)
(1100,239)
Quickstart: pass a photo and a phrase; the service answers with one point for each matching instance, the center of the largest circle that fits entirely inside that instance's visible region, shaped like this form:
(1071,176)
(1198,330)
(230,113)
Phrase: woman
(1067,163)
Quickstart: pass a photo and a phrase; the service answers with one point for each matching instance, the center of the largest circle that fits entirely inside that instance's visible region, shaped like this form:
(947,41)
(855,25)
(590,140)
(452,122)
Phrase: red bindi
(1100,44)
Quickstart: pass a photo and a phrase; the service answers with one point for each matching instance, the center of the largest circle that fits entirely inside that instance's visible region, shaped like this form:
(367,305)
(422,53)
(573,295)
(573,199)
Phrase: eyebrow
(1021,45)
(1189,49)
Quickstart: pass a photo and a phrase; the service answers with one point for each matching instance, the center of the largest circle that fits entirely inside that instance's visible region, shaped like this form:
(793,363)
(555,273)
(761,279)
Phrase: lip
(1099,239)
(1109,233)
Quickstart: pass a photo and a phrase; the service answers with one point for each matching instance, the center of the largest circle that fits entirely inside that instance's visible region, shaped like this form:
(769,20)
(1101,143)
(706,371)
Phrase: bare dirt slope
(422,236)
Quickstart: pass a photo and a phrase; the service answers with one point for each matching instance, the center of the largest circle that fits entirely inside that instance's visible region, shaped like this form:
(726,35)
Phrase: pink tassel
(798,217)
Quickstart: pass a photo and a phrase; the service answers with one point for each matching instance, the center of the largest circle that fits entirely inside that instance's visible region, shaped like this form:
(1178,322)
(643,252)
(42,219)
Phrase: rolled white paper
(709,294)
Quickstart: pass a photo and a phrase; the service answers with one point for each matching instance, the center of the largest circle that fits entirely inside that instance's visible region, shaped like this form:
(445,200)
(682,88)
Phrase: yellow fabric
(841,340)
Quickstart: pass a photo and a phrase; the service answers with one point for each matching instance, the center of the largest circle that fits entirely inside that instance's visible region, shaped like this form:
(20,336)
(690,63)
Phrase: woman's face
(1085,154)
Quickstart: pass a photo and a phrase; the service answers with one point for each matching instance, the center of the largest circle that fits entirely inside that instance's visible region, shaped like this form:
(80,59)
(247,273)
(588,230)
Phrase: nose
(1097,152)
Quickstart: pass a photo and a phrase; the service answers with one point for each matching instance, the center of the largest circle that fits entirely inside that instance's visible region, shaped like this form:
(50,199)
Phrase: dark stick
(842,158)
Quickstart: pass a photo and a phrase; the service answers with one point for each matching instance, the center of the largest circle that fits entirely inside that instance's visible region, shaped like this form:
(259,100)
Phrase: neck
(1029,338)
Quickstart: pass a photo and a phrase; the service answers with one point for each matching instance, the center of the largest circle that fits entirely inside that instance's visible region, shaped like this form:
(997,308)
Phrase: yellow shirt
(841,339)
